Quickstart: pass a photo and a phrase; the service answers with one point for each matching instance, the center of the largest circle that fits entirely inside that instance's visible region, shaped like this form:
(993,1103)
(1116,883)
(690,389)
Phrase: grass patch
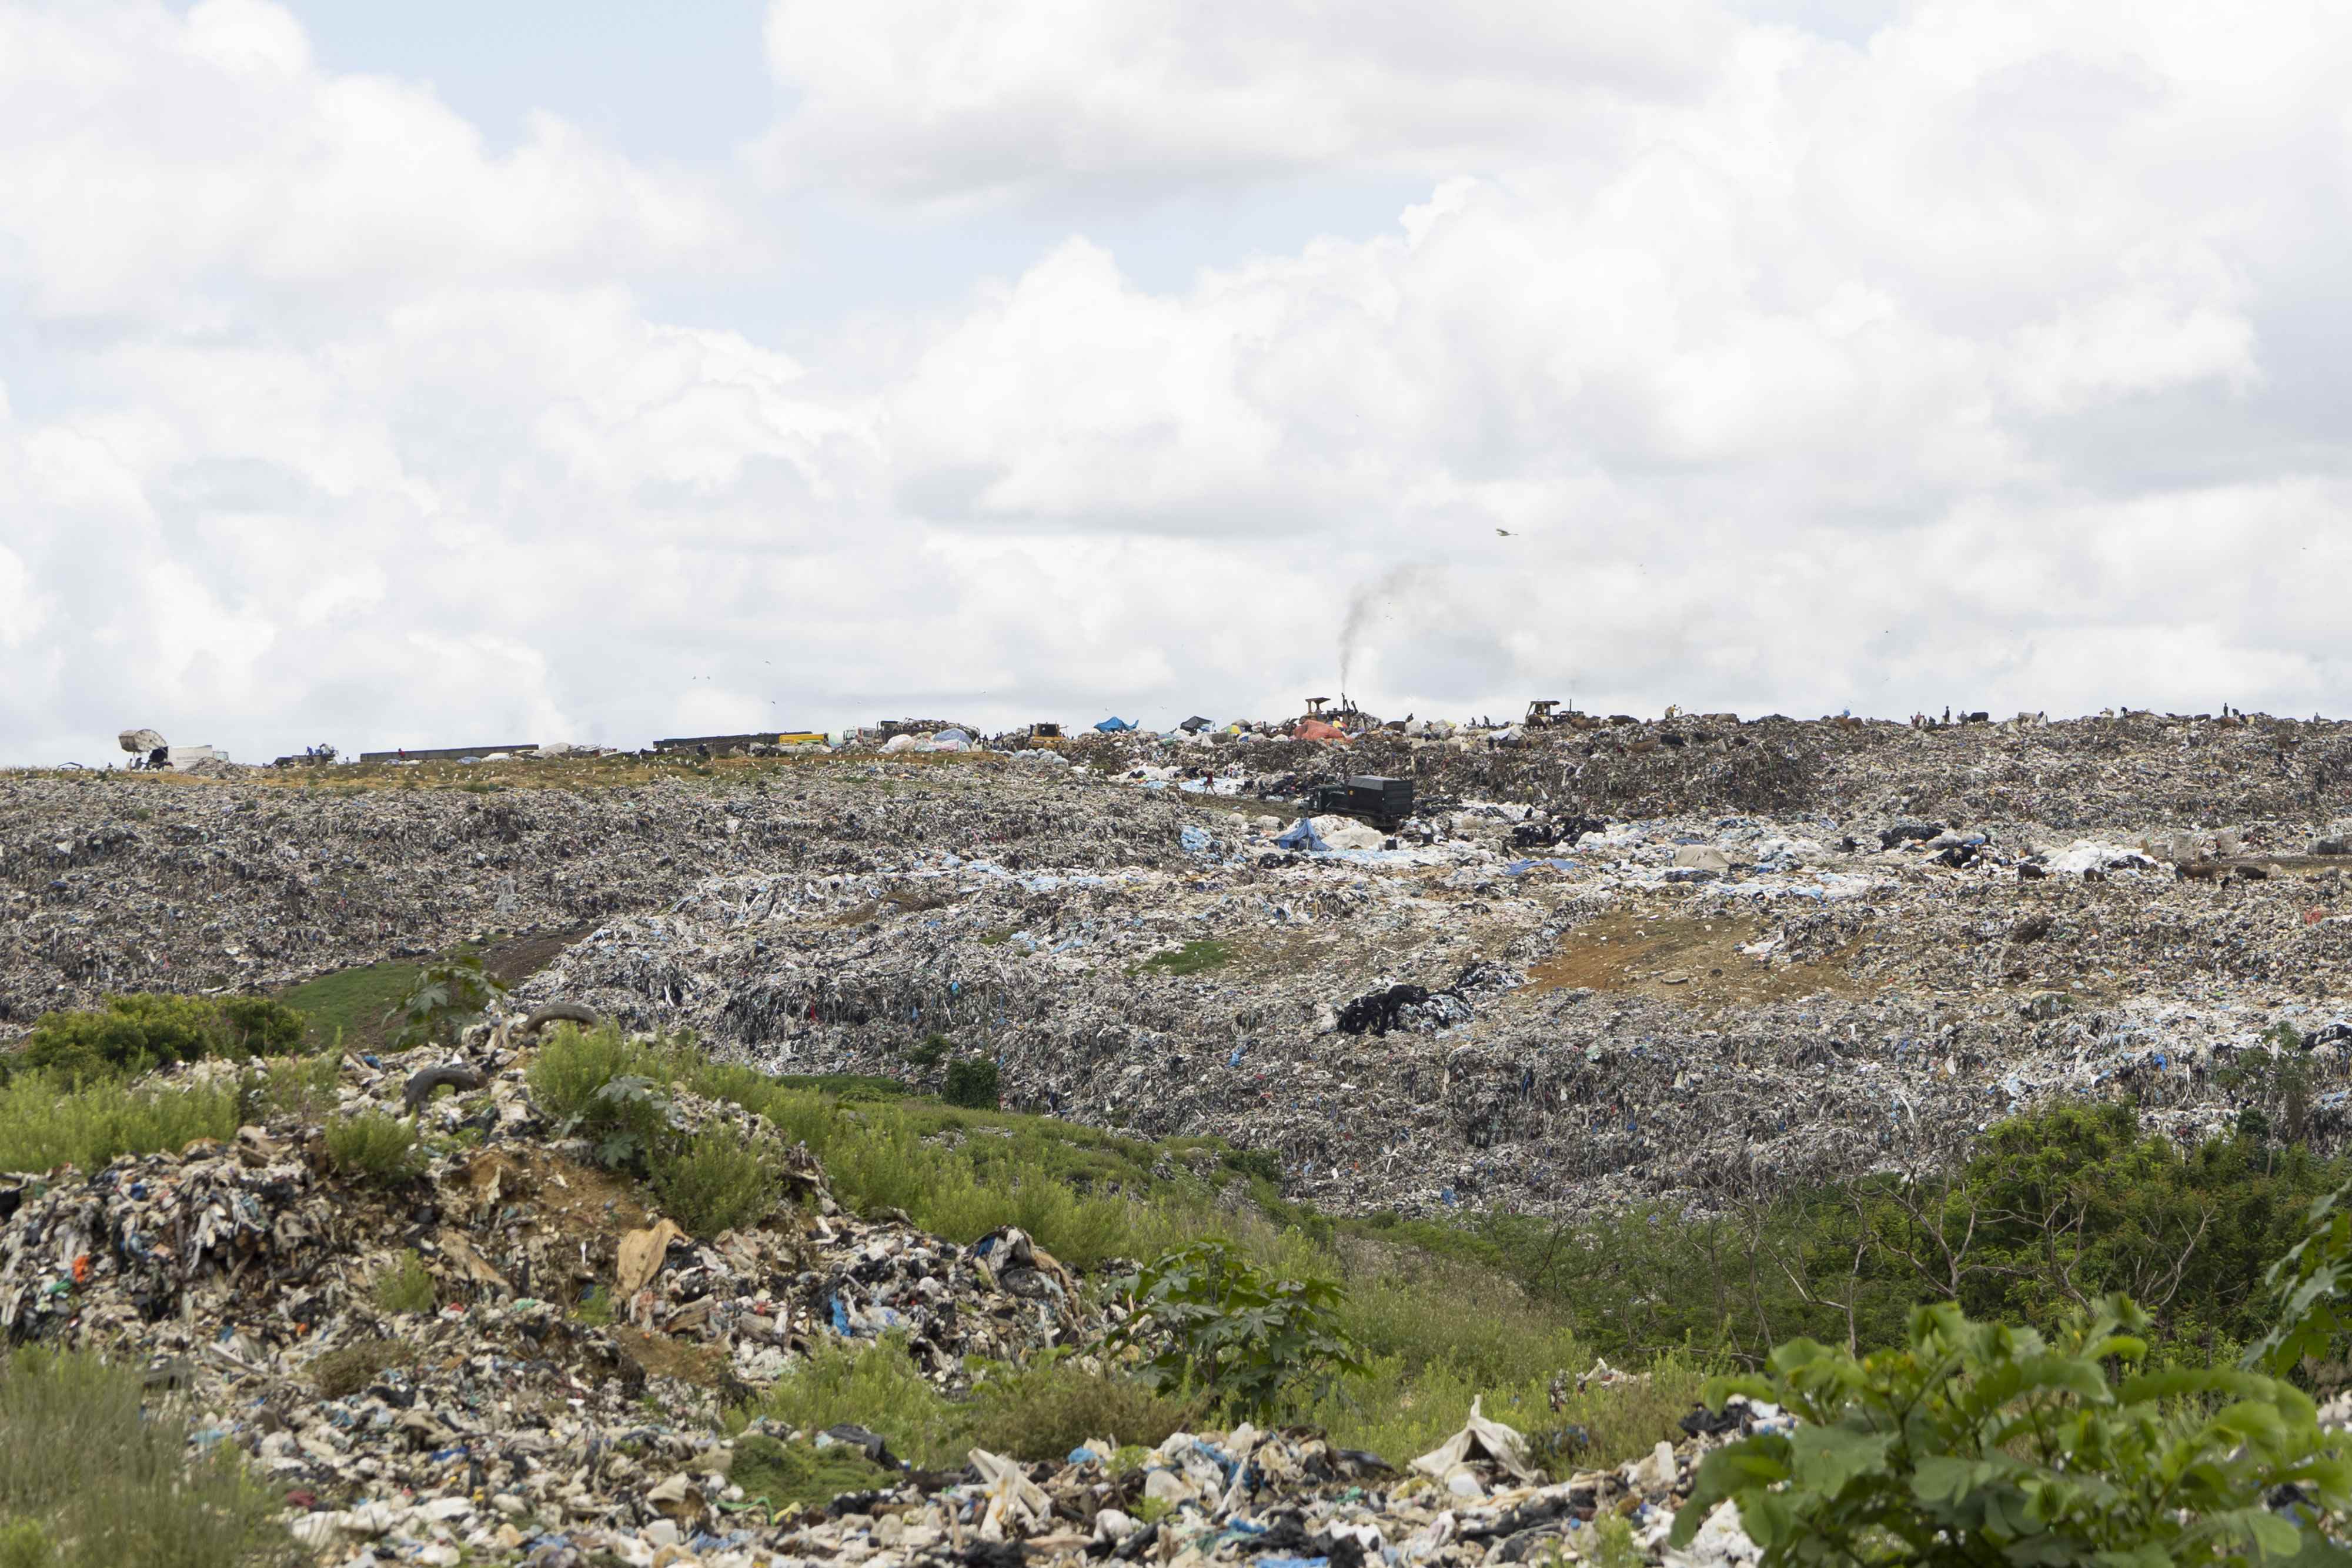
(45,1124)
(1192,958)
(347,1008)
(801,1475)
(91,1479)
(142,1031)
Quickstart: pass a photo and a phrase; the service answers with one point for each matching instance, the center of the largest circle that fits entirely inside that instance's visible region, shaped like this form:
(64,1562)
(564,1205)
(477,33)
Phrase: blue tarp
(1301,835)
(1114,724)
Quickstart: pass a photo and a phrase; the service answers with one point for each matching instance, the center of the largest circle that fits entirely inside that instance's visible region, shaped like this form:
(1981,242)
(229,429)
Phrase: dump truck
(1384,802)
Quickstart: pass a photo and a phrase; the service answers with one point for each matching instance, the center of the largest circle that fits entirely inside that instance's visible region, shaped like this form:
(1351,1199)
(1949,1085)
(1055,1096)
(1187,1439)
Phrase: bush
(1982,1443)
(145,1030)
(595,1084)
(45,1124)
(88,1479)
(1204,1319)
(971,1084)
(372,1146)
(719,1181)
(406,1286)
(341,1373)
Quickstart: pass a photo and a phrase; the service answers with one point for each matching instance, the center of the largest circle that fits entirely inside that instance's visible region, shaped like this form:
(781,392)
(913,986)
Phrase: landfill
(1602,963)
(1682,960)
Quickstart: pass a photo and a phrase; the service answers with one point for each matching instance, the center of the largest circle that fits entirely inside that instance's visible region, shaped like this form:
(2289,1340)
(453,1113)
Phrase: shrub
(140,1032)
(406,1286)
(1204,1319)
(263,1026)
(596,1085)
(341,1373)
(447,993)
(1982,1443)
(105,1483)
(373,1146)
(718,1181)
(971,1084)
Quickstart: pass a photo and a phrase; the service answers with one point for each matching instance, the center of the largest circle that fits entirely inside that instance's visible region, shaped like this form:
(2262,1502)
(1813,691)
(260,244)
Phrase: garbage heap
(556,1380)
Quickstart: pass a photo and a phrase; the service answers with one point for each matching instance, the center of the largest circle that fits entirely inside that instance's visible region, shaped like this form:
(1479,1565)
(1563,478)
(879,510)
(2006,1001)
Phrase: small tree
(1207,1320)
(971,1084)
(445,995)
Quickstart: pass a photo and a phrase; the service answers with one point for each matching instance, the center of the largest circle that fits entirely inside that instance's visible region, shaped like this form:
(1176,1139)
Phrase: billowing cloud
(1981,360)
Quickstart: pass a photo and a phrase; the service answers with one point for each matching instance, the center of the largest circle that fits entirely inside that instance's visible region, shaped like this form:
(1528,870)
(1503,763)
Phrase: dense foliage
(1981,1443)
(140,1032)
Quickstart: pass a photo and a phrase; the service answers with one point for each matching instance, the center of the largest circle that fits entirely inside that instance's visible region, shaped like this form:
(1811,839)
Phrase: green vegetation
(1205,1319)
(448,993)
(718,1181)
(800,1475)
(44,1123)
(971,1084)
(2054,1210)
(372,1146)
(88,1479)
(406,1286)
(1981,1443)
(1191,958)
(599,1086)
(349,1005)
(138,1034)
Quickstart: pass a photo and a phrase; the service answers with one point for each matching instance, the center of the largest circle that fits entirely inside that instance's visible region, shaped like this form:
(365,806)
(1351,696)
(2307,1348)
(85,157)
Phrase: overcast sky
(582,370)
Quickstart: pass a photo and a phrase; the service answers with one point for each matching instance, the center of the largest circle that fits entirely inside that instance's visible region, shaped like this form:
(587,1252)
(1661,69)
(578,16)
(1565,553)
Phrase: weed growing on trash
(372,1146)
(138,1034)
(971,1084)
(45,1124)
(1192,958)
(1980,1440)
(1204,1318)
(406,1286)
(97,1481)
(719,1181)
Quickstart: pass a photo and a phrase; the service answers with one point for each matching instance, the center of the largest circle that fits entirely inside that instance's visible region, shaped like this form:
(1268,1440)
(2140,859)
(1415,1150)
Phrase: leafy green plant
(447,992)
(596,1085)
(406,1286)
(971,1084)
(930,1053)
(1203,1318)
(718,1181)
(1981,1443)
(372,1146)
(142,1031)
(2308,1290)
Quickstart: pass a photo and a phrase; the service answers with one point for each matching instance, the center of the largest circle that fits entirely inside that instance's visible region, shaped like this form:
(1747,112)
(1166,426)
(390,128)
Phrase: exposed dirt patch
(577,1198)
(1694,961)
(663,1356)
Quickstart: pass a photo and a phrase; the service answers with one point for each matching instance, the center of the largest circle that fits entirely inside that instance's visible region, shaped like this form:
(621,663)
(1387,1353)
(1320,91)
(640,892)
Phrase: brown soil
(1694,961)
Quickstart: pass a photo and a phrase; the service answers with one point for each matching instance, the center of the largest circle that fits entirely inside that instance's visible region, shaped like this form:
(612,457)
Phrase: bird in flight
(1506,533)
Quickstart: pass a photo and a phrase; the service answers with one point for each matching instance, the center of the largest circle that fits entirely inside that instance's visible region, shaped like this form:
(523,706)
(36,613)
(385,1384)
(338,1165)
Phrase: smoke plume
(1391,591)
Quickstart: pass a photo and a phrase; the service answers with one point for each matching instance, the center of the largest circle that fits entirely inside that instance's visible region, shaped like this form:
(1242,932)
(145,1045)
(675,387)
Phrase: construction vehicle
(1540,713)
(1045,734)
(1385,803)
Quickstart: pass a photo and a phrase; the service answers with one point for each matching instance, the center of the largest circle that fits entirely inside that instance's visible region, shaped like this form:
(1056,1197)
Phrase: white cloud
(1942,368)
